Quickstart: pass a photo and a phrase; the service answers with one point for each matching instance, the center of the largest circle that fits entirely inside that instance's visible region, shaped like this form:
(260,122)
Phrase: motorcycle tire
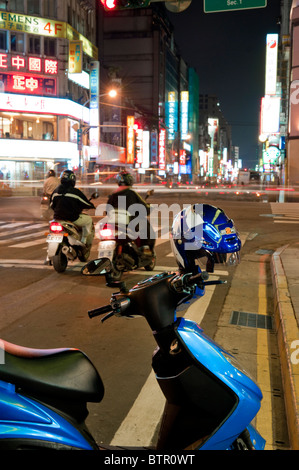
(60,261)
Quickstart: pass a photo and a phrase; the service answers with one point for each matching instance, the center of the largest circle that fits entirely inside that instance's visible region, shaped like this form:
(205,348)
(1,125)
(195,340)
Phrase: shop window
(34,45)
(3,40)
(50,47)
(48,131)
(28,129)
(5,127)
(33,7)
(16,5)
(16,42)
(50,8)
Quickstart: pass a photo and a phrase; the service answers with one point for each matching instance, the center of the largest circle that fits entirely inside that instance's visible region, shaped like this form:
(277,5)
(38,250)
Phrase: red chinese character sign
(28,84)
(15,76)
(18,63)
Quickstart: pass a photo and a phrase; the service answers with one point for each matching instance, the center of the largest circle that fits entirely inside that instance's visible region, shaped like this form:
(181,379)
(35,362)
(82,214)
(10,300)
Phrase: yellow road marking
(264,417)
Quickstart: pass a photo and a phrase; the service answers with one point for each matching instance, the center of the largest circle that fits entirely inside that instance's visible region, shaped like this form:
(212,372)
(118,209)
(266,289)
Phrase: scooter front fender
(52,249)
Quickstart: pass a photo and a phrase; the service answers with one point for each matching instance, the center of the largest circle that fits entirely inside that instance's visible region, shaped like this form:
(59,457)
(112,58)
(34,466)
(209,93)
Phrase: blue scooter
(210,399)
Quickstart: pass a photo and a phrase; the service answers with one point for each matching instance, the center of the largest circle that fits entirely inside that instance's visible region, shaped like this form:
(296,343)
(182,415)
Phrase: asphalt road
(41,308)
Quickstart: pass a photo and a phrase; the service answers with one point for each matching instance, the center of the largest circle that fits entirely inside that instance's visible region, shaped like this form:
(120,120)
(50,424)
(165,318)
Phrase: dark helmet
(51,173)
(124,179)
(68,177)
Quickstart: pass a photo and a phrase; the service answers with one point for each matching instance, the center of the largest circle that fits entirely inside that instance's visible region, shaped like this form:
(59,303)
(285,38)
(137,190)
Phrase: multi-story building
(158,91)
(44,97)
(215,139)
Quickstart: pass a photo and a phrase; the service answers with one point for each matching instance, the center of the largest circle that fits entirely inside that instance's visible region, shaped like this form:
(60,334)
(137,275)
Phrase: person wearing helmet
(125,193)
(68,203)
(51,183)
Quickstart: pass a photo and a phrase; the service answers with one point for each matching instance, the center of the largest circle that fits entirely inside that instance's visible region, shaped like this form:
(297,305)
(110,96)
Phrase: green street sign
(213,6)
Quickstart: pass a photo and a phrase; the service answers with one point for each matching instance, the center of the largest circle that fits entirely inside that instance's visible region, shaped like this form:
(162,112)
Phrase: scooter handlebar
(116,307)
(100,311)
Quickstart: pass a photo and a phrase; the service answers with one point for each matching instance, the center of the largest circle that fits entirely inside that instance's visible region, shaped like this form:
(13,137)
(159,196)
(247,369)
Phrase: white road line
(32,243)
(23,229)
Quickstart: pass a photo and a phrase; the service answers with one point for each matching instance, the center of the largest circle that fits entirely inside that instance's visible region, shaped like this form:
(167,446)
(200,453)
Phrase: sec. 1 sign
(213,6)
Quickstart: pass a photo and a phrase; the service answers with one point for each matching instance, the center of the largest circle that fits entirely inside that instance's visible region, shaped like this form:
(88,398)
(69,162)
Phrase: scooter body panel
(224,366)
(25,420)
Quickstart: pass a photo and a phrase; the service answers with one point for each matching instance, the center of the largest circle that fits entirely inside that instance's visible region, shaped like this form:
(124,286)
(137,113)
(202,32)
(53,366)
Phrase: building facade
(158,93)
(43,97)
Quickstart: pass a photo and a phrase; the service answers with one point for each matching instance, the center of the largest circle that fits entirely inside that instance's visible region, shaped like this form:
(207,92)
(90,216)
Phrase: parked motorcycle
(64,243)
(210,399)
(125,251)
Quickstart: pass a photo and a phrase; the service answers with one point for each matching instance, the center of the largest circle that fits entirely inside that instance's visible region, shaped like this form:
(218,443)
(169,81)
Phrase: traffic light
(110,5)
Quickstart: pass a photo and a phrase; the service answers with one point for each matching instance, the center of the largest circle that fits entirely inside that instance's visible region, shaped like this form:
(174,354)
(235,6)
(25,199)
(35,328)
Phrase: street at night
(44,309)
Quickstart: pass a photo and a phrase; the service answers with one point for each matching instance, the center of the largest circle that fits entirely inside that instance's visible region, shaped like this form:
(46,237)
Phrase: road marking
(32,243)
(264,416)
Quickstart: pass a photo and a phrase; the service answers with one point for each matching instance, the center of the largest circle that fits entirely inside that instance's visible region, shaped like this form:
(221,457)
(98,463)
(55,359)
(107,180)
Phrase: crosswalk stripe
(285,213)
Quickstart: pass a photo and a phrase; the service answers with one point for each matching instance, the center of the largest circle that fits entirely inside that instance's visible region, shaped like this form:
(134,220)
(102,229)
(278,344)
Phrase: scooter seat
(56,373)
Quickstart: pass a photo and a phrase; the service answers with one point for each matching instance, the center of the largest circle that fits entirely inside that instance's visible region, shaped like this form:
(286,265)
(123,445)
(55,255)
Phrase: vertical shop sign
(94,115)
(184,114)
(75,56)
(130,139)
(271,64)
(139,149)
(154,148)
(172,115)
(162,158)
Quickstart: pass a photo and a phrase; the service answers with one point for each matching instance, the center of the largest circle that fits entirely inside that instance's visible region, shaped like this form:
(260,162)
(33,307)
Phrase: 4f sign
(213,6)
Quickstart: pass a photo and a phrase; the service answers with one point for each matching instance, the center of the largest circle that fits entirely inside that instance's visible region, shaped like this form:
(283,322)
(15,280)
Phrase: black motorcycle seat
(57,373)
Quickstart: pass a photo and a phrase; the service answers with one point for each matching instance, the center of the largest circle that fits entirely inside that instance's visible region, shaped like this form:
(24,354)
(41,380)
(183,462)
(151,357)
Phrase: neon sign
(27,83)
(162,160)
(130,139)
(31,64)
(184,114)
(172,115)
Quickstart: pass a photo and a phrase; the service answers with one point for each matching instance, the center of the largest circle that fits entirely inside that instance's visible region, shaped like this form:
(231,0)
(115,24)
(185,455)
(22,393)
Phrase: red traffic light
(109,4)
(124,4)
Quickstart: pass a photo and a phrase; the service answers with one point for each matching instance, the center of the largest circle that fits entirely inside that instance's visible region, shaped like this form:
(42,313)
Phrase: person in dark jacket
(68,203)
(124,199)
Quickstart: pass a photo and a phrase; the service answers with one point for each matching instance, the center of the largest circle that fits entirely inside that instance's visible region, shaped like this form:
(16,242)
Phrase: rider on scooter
(50,183)
(130,197)
(68,203)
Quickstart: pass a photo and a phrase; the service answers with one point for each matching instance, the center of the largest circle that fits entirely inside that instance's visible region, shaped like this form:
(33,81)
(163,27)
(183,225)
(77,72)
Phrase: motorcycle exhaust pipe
(69,252)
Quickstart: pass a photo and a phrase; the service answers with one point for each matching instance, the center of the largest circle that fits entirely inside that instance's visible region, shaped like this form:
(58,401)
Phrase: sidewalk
(285,276)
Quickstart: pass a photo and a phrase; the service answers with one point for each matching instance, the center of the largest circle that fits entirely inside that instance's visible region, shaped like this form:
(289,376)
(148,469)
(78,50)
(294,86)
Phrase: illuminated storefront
(40,114)
(38,133)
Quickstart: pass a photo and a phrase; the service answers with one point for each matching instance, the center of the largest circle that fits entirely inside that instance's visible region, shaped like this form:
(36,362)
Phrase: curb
(287,332)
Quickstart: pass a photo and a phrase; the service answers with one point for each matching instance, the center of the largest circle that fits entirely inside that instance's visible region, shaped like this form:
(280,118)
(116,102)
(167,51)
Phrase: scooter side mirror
(97,267)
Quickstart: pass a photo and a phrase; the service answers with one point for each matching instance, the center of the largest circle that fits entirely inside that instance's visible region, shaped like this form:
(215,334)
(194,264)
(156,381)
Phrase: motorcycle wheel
(60,261)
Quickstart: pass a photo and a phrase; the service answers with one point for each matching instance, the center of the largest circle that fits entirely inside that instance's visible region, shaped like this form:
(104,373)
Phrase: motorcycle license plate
(54,238)
(106,249)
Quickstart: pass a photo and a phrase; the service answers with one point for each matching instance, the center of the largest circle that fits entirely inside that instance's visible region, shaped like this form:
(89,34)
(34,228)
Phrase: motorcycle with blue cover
(210,400)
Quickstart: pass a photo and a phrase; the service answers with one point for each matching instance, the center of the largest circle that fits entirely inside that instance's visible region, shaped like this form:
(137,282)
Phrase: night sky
(228,52)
